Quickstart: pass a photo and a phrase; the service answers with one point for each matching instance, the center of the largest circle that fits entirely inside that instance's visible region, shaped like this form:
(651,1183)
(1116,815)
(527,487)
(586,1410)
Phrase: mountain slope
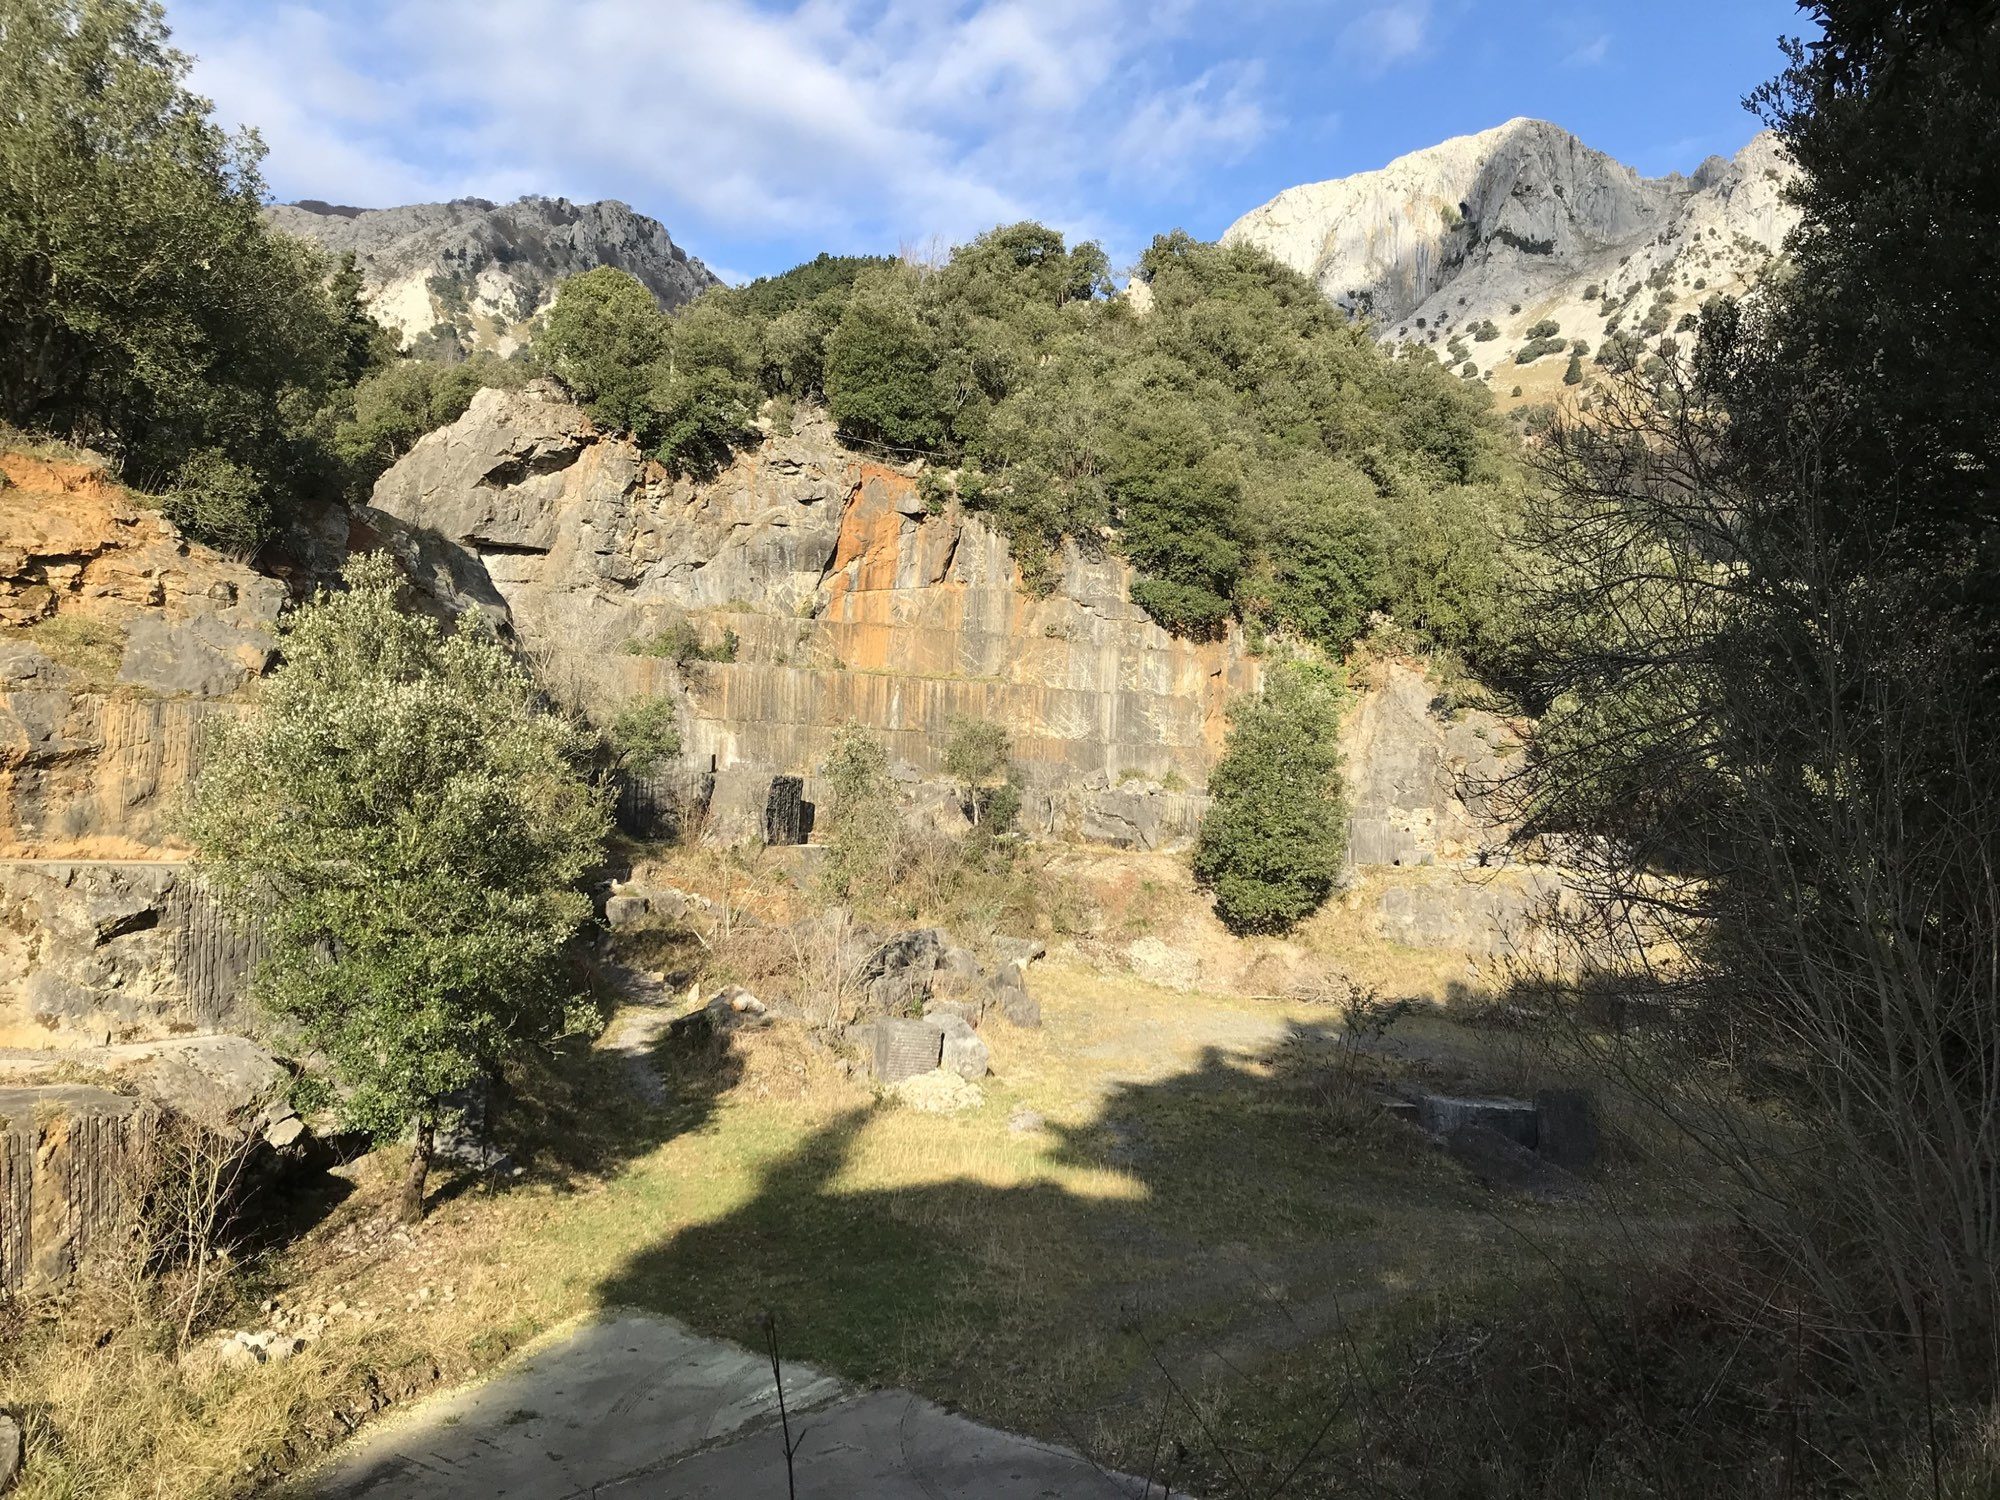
(1516,225)
(473,273)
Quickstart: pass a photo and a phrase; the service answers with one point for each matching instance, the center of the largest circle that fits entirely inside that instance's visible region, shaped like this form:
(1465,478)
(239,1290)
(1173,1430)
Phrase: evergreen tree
(1275,833)
(147,308)
(412,834)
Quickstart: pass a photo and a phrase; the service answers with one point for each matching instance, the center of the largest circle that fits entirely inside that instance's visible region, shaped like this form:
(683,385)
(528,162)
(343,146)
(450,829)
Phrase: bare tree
(1787,833)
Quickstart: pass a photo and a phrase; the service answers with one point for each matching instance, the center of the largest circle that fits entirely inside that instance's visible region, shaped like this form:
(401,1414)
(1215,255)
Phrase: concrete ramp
(630,1405)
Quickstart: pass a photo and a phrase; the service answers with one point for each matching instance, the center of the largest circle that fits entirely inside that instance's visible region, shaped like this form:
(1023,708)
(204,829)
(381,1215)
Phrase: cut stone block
(904,1049)
(1444,1115)
(1566,1128)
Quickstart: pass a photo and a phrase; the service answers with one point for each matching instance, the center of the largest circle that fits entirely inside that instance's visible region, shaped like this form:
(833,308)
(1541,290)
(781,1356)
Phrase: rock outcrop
(845,598)
(1516,225)
(63,1152)
(117,638)
(1425,785)
(469,274)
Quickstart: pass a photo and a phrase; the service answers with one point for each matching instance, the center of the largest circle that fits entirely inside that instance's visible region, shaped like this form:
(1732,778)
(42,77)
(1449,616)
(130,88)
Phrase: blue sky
(762,132)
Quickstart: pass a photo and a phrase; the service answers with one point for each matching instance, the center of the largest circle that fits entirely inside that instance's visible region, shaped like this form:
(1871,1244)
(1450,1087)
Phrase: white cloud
(1211,119)
(845,121)
(1590,53)
(1388,34)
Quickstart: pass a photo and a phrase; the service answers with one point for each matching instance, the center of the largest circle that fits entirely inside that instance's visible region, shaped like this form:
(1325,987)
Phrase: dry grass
(1154,1175)
(87,645)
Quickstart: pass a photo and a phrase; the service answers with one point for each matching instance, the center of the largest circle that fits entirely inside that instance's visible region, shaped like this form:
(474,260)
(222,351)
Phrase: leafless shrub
(181,1194)
(826,957)
(1785,835)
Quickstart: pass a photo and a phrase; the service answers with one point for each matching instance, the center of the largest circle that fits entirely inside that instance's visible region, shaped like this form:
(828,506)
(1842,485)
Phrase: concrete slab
(887,1445)
(635,1406)
(607,1399)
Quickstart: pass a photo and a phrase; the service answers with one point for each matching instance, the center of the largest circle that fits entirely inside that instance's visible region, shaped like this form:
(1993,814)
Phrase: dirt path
(635,1030)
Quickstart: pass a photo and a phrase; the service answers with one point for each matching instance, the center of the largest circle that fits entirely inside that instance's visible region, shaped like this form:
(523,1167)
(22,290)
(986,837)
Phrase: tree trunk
(420,1167)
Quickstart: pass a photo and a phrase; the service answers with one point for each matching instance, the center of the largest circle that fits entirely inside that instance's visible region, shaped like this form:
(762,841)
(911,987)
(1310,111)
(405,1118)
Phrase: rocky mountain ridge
(1474,246)
(466,275)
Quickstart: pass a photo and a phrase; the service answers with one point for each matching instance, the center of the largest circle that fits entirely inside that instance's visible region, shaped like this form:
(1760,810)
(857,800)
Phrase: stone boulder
(940,1092)
(898,977)
(229,1084)
(894,1048)
(962,1052)
(1131,815)
(731,1008)
(203,656)
(1008,993)
(1422,781)
(1446,1115)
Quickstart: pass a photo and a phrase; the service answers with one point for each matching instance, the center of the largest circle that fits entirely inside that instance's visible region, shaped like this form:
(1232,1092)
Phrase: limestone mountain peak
(1473,243)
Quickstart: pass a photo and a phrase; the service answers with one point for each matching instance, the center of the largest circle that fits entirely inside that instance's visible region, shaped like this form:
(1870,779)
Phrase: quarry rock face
(847,601)
(62,1150)
(474,274)
(91,949)
(117,639)
(1516,224)
(1425,784)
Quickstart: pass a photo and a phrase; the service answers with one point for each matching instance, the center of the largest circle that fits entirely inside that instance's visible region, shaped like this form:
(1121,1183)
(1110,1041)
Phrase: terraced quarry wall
(851,602)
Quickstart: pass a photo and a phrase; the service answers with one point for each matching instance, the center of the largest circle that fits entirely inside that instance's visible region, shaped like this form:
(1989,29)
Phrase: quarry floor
(1168,1201)
(1174,1237)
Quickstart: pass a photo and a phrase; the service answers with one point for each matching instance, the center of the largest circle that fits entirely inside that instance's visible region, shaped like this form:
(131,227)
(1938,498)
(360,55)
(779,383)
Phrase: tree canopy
(148,308)
(1254,453)
(1275,833)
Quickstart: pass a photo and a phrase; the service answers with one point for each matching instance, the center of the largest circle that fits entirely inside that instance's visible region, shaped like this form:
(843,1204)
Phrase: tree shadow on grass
(1242,1278)
(1246,1204)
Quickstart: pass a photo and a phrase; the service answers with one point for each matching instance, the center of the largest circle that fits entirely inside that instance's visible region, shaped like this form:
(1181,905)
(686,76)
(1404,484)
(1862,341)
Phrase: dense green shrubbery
(151,312)
(1276,830)
(399,401)
(412,834)
(147,308)
(1247,447)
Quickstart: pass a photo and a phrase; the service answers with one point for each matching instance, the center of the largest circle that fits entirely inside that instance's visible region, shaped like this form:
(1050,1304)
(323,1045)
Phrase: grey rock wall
(848,600)
(485,270)
(91,949)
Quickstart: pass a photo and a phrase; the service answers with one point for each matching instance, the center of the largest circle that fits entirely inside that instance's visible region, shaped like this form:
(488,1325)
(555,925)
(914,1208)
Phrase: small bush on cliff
(607,339)
(1276,831)
(681,643)
(646,735)
(411,833)
(865,838)
(396,404)
(976,757)
(219,500)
